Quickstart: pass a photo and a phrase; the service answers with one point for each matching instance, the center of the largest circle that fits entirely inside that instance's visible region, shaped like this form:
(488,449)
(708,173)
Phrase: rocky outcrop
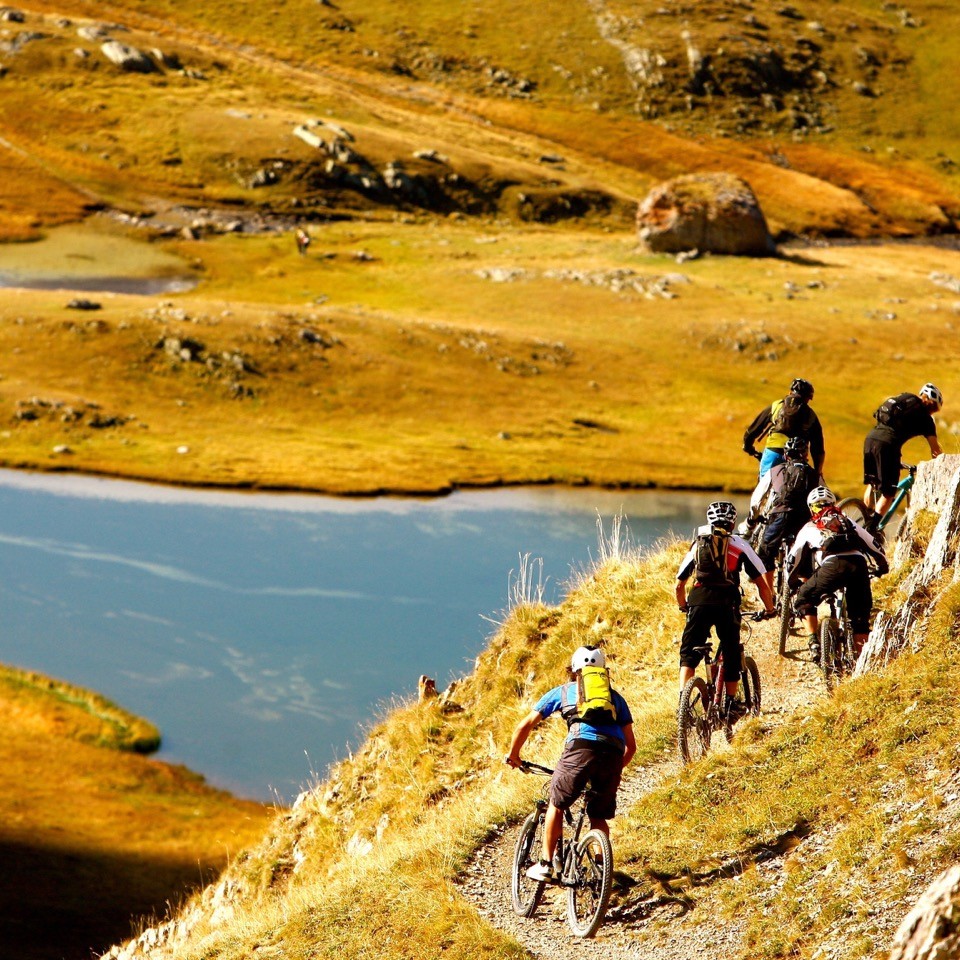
(709,212)
(931,931)
(931,518)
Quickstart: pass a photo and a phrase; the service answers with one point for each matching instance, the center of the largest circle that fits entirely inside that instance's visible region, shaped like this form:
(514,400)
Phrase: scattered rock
(713,213)
(82,303)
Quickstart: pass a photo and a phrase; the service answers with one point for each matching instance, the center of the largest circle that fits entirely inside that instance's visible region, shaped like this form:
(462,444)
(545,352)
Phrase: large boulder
(128,58)
(931,931)
(709,212)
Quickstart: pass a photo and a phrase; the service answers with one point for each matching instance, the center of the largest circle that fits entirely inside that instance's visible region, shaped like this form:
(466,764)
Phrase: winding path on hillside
(662,926)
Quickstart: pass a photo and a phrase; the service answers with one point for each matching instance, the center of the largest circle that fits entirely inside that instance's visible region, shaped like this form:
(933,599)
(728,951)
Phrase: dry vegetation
(814,836)
(94,835)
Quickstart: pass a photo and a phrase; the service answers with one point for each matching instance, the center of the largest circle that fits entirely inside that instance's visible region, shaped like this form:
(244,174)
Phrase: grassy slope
(94,836)
(853,786)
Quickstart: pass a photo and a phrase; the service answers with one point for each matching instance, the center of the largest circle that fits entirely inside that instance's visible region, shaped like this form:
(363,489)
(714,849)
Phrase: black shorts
(725,620)
(584,760)
(847,572)
(881,465)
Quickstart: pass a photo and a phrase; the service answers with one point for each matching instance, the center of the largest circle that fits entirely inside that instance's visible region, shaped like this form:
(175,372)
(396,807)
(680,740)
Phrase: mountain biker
(790,483)
(837,549)
(592,752)
(790,417)
(714,599)
(899,419)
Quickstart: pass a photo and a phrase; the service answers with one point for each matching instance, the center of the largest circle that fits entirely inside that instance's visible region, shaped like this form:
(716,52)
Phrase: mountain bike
(837,658)
(703,704)
(857,510)
(585,863)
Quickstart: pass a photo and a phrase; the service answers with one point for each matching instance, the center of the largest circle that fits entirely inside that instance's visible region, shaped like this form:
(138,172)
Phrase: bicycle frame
(903,489)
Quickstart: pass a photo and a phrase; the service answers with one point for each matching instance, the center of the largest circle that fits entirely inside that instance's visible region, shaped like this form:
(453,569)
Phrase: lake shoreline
(406,493)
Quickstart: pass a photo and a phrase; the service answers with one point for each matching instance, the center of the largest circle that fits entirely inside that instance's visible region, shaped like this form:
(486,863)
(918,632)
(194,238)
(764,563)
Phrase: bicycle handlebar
(527,766)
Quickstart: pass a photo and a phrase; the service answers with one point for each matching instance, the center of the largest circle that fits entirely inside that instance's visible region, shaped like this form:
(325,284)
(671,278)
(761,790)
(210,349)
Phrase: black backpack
(710,551)
(794,418)
(894,410)
(843,541)
(792,494)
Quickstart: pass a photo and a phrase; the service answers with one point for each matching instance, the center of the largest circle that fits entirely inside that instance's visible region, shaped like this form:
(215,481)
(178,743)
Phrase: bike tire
(750,681)
(785,609)
(589,894)
(526,893)
(693,720)
(830,652)
(855,509)
(748,690)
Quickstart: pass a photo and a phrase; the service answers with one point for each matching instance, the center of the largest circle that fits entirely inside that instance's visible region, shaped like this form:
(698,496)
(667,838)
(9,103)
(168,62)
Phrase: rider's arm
(766,594)
(682,595)
(761,424)
(520,734)
(817,451)
(935,448)
(631,742)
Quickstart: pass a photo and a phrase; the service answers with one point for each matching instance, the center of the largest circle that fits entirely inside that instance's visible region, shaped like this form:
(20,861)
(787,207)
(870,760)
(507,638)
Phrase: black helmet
(802,388)
(796,448)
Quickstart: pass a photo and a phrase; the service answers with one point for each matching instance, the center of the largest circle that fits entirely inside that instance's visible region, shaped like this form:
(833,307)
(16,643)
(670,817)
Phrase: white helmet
(820,497)
(929,392)
(587,657)
(722,512)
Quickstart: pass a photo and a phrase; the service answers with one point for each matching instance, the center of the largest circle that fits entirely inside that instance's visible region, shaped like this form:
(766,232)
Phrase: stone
(82,303)
(711,213)
(128,58)
(931,931)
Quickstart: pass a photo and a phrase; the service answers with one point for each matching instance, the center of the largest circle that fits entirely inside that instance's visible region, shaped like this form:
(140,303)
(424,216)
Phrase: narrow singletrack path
(661,926)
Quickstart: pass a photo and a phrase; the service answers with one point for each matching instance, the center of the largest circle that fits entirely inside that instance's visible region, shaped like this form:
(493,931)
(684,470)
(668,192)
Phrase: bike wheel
(830,652)
(785,609)
(526,893)
(592,878)
(855,509)
(748,692)
(750,686)
(693,720)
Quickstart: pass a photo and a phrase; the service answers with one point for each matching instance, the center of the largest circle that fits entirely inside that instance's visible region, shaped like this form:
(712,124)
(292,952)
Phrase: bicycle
(585,864)
(837,657)
(858,511)
(703,707)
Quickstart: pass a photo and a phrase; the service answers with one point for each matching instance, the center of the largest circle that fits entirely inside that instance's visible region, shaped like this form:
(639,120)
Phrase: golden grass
(93,835)
(424,375)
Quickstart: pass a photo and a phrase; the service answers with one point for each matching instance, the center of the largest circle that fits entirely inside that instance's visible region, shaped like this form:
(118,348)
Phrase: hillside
(810,836)
(97,838)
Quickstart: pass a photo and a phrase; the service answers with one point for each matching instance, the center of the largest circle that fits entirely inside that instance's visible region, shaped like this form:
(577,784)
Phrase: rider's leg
(727,625)
(696,632)
(552,825)
(686,673)
(601,825)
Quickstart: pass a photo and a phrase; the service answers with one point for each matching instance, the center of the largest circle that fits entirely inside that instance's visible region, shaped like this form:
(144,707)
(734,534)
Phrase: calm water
(263,632)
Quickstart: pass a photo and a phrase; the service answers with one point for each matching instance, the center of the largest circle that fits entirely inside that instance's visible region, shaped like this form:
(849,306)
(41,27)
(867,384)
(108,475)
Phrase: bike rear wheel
(831,653)
(693,720)
(526,893)
(592,879)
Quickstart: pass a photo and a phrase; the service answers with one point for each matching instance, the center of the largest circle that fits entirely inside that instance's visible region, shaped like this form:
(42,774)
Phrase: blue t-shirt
(553,700)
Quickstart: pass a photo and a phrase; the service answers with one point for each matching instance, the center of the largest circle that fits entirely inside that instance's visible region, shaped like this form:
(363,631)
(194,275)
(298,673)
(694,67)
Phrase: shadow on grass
(70,904)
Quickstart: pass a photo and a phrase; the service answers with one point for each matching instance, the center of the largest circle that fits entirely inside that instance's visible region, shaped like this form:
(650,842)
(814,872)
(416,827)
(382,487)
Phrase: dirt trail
(644,927)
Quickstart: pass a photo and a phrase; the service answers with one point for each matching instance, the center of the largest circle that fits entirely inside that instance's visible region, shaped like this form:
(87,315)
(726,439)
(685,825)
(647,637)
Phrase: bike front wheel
(526,893)
(693,720)
(591,882)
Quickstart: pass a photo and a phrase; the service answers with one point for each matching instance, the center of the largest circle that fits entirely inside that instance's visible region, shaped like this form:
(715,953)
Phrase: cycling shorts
(588,760)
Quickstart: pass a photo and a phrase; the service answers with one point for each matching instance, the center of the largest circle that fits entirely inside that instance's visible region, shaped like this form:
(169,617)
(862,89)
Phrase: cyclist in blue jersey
(595,752)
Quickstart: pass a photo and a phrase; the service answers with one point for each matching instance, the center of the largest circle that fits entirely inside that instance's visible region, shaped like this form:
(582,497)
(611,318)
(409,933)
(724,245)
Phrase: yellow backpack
(595,697)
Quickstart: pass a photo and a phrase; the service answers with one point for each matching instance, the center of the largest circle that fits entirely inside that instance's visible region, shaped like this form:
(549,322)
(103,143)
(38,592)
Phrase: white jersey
(811,538)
